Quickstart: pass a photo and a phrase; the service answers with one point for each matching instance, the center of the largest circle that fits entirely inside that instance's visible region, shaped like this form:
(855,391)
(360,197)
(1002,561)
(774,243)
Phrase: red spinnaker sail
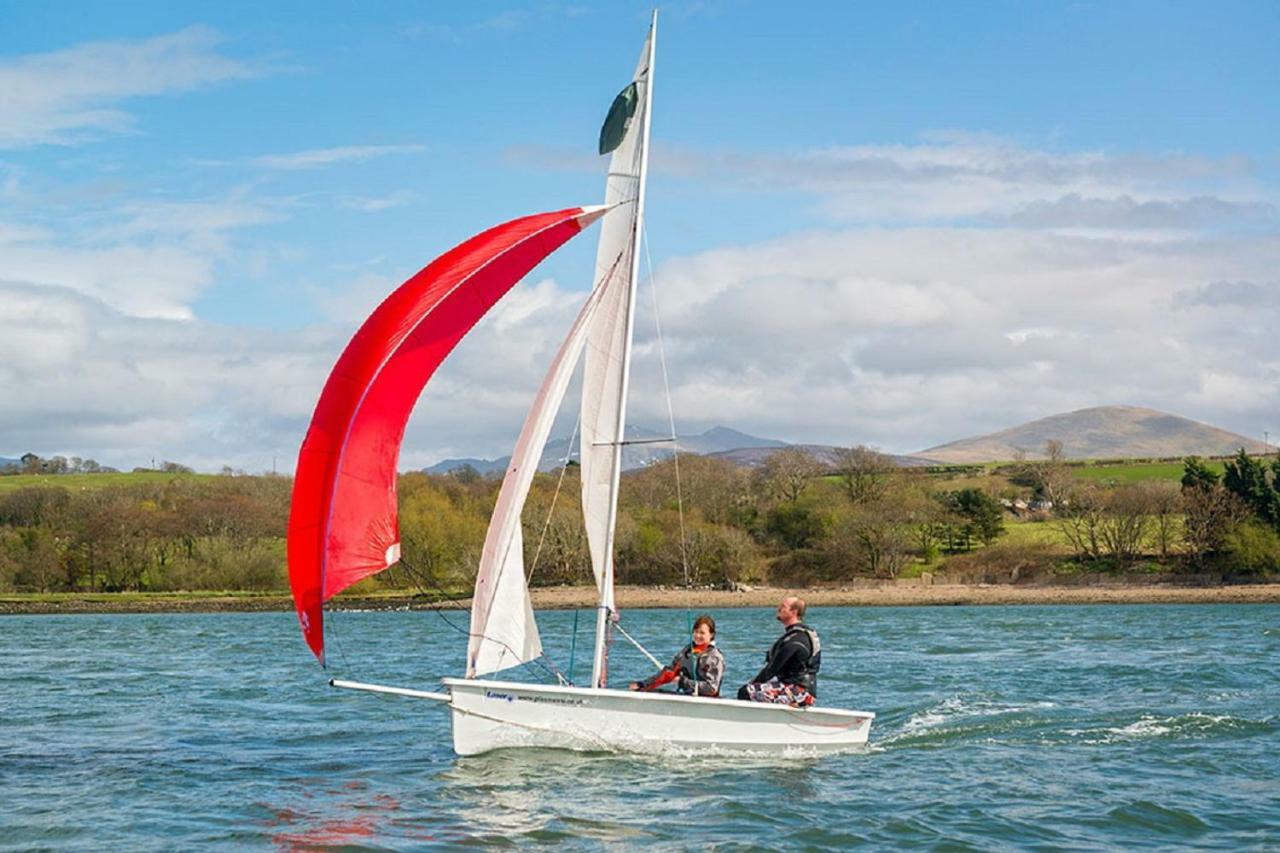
(343,524)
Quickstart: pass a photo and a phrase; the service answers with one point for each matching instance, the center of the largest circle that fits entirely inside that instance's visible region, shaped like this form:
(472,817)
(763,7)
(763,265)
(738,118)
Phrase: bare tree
(1081,521)
(787,472)
(1124,524)
(1164,504)
(1209,514)
(716,487)
(865,473)
(1050,478)
(872,538)
(925,517)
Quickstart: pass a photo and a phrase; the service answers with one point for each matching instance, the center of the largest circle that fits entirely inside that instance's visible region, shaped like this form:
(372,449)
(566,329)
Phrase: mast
(605,610)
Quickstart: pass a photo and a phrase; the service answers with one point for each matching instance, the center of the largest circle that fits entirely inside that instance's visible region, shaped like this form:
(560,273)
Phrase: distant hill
(1100,432)
(5,462)
(751,457)
(715,440)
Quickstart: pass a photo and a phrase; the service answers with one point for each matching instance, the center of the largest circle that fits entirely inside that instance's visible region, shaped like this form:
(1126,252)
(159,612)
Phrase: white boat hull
(489,715)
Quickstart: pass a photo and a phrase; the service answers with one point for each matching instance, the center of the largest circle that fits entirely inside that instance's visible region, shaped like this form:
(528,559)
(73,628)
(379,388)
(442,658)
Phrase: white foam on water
(1145,727)
(959,707)
(1149,726)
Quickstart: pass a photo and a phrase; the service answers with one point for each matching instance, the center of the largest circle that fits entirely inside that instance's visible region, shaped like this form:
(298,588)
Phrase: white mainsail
(608,349)
(503,630)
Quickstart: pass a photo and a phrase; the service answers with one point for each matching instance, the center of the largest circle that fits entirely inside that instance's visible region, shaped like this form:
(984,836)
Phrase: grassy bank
(89,482)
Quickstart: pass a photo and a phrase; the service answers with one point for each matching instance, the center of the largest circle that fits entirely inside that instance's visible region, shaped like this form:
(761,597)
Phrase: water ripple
(1033,727)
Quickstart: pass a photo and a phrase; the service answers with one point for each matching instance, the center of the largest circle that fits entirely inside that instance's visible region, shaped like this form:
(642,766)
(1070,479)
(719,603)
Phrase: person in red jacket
(697,669)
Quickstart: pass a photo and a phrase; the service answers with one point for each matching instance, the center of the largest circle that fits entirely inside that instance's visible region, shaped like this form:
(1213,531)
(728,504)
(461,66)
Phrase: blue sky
(894,224)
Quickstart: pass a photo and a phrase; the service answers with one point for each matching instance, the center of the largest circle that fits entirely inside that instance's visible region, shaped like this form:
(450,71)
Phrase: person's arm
(664,676)
(773,668)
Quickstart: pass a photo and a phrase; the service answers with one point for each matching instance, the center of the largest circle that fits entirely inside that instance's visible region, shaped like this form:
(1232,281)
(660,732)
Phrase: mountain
(5,462)
(484,466)
(1099,433)
(751,457)
(715,440)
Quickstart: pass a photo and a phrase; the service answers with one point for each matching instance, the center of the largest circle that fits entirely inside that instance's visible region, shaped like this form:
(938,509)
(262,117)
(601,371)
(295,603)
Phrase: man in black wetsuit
(790,674)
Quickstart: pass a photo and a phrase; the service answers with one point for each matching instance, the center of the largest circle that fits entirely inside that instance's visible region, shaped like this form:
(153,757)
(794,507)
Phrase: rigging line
(671,416)
(549,667)
(636,643)
(546,525)
(337,641)
(573,643)
(597,294)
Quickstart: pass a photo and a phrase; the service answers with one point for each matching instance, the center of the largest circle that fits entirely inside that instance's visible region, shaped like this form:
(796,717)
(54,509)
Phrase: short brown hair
(797,606)
(704,619)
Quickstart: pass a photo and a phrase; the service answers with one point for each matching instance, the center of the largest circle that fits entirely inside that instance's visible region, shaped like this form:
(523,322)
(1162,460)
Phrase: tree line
(794,520)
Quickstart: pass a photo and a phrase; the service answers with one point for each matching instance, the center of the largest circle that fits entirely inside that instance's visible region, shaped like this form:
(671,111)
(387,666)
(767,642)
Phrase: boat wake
(984,718)
(965,717)
(1192,726)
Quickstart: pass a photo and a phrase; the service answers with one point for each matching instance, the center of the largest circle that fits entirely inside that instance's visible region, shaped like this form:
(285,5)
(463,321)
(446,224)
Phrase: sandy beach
(899,595)
(885,594)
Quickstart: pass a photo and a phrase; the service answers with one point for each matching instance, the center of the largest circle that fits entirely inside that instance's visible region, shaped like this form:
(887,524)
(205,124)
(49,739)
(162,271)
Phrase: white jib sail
(503,630)
(608,351)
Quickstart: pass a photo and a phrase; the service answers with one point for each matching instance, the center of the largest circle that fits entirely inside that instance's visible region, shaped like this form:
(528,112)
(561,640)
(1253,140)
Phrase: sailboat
(343,525)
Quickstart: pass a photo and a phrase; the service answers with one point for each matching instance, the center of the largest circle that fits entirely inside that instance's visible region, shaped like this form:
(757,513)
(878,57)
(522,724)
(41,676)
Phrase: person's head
(790,611)
(704,630)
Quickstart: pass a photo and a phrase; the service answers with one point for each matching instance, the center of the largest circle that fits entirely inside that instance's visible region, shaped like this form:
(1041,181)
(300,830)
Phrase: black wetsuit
(794,659)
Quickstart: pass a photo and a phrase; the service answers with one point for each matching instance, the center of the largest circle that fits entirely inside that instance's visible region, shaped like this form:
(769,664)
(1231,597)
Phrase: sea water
(998,727)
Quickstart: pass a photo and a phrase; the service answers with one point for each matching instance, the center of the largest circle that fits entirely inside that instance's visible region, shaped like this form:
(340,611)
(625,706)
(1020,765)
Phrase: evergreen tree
(1196,475)
(1249,480)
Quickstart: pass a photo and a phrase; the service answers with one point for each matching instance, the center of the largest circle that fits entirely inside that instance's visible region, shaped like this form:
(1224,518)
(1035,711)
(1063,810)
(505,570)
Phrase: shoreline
(885,594)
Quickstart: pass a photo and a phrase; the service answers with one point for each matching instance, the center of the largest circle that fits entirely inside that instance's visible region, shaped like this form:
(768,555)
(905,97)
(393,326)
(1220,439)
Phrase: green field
(86,482)
(1033,533)
(1136,472)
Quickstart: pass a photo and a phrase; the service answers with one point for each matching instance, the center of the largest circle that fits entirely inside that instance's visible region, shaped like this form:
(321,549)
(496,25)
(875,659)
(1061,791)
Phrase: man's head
(790,611)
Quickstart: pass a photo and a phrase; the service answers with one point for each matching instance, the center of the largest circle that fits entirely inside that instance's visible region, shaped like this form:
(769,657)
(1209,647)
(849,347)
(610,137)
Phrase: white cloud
(1125,212)
(198,225)
(144,259)
(1015,285)
(951,177)
(82,378)
(810,338)
(64,96)
(365,204)
(320,157)
(142,281)
(901,339)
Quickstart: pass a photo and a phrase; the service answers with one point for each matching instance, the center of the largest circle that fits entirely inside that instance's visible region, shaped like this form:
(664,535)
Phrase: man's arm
(789,650)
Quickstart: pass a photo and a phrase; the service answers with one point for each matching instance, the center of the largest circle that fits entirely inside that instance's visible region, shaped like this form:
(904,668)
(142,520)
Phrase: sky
(891,224)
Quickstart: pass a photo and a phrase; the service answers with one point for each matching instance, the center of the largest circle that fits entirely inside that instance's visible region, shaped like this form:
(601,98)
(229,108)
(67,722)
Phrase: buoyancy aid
(803,672)
(685,666)
(692,663)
